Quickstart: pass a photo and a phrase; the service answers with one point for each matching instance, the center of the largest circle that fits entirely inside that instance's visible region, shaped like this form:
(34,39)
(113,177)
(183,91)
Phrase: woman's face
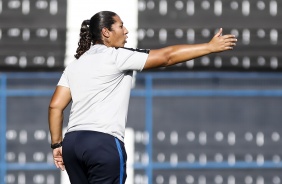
(118,34)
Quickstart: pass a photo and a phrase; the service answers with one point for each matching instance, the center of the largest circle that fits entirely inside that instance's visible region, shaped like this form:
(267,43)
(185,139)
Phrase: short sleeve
(64,80)
(131,59)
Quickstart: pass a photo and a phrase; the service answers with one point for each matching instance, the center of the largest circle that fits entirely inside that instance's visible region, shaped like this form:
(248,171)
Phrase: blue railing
(148,92)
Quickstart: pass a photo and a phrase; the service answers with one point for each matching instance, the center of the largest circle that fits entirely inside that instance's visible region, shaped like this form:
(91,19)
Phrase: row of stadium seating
(191,177)
(32,35)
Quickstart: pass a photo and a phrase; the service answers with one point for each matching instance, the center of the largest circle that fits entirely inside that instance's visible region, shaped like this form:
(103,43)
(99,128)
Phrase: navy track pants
(94,158)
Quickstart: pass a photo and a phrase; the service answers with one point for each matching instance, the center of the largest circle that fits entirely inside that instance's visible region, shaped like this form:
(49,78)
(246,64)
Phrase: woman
(98,83)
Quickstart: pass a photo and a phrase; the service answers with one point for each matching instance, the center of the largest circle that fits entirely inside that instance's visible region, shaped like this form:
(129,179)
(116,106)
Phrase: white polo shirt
(100,84)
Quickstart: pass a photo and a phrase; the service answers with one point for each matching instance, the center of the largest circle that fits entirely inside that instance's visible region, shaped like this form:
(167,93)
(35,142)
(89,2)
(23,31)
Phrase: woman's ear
(105,32)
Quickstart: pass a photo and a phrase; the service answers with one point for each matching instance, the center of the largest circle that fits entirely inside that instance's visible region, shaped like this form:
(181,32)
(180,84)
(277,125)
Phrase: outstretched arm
(180,53)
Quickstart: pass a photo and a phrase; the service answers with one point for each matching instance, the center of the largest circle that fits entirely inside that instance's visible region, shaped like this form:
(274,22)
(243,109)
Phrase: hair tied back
(87,22)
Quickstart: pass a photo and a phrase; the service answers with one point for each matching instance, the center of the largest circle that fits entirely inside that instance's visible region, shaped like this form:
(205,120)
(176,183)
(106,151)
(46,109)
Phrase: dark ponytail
(90,31)
(85,39)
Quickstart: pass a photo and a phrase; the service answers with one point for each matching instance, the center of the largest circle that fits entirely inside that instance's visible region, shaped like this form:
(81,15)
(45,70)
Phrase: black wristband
(56,145)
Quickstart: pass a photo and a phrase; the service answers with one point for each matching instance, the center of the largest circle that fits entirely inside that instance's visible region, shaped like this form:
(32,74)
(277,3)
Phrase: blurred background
(211,120)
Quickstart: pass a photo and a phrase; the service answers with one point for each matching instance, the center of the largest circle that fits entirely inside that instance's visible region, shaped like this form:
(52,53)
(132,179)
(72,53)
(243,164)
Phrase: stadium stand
(255,23)
(33,35)
(221,126)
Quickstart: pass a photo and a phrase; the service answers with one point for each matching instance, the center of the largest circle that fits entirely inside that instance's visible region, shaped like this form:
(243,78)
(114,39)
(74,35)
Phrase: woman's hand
(221,42)
(58,158)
